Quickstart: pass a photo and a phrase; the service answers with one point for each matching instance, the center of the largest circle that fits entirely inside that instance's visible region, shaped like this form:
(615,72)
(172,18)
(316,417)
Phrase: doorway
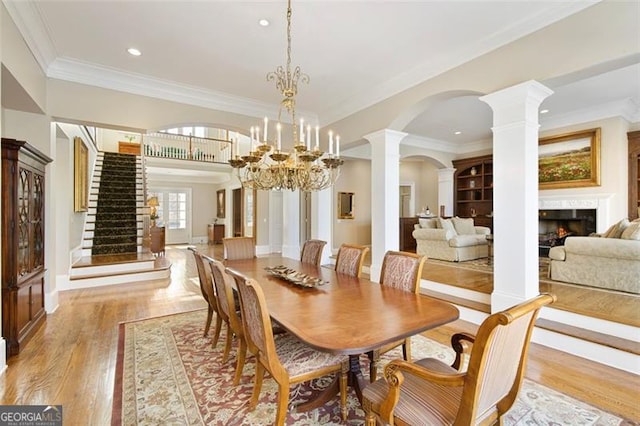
(174,213)
(243,212)
(407,201)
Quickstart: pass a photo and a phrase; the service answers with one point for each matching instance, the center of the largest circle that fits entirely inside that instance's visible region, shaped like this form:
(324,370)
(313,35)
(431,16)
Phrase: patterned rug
(483,266)
(168,373)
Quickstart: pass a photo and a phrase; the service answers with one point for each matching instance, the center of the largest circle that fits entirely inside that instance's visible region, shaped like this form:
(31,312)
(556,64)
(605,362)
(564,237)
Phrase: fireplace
(556,225)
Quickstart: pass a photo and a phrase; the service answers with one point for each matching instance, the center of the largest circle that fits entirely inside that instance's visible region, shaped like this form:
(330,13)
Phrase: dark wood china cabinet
(23,249)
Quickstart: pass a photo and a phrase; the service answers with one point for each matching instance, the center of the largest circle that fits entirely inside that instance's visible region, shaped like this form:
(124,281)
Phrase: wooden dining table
(344,315)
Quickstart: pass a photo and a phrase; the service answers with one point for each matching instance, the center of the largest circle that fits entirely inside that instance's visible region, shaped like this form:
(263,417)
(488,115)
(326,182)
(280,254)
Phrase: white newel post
(445,191)
(515,192)
(385,193)
(321,220)
(291,224)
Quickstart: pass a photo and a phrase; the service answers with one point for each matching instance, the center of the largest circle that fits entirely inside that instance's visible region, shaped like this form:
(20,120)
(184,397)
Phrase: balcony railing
(168,145)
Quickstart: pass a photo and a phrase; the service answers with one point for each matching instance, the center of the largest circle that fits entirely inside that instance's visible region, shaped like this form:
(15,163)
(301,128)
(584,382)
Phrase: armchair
(430,392)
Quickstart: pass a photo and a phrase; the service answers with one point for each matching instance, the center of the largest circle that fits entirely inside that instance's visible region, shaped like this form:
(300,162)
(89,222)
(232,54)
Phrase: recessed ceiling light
(134,52)
(544,111)
(457,133)
(263,22)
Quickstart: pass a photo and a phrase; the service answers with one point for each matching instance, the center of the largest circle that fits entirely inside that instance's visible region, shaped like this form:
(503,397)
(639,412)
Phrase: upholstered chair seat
(288,359)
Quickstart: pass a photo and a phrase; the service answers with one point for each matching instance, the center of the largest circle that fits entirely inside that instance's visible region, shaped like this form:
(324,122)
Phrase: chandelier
(266,166)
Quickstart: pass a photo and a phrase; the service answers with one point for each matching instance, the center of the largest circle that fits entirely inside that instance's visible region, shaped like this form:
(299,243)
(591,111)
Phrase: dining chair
(237,248)
(230,316)
(286,358)
(401,270)
(312,252)
(209,294)
(350,259)
(430,392)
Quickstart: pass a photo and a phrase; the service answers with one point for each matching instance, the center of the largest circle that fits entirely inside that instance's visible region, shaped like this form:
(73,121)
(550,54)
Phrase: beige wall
(424,176)
(355,177)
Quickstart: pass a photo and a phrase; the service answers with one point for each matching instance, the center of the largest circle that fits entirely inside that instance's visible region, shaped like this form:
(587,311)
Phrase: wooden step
(607,340)
(471,304)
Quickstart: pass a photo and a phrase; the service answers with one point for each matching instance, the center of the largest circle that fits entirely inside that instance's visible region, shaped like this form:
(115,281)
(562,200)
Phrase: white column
(321,220)
(291,224)
(445,191)
(515,192)
(385,193)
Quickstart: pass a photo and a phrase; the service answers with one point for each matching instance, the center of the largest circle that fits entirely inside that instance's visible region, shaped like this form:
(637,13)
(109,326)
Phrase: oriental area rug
(168,373)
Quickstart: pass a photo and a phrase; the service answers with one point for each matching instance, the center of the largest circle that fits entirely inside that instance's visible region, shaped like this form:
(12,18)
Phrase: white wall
(22,65)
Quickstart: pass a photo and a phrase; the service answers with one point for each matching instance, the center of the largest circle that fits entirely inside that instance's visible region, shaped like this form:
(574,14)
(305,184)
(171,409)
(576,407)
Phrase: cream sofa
(455,239)
(605,262)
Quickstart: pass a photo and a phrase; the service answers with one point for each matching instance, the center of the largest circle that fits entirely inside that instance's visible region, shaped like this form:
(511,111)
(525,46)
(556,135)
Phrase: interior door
(174,213)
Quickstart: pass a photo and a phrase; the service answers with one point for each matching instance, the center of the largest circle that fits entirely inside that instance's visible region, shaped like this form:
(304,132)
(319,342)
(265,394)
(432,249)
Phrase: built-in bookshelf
(473,189)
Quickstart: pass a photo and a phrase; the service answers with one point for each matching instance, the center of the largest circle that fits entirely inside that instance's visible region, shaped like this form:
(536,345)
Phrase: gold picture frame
(345,205)
(220,197)
(570,160)
(80,175)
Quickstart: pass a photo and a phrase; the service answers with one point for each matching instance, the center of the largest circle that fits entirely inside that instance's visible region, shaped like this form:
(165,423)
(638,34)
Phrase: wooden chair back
(257,323)
(206,281)
(350,259)
(402,270)
(434,393)
(312,252)
(238,248)
(226,302)
(498,361)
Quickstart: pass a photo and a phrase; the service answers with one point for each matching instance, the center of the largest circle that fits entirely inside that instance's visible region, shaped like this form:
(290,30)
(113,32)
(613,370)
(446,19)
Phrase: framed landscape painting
(570,160)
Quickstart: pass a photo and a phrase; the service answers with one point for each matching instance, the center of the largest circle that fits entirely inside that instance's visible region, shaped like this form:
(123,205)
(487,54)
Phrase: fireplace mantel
(599,202)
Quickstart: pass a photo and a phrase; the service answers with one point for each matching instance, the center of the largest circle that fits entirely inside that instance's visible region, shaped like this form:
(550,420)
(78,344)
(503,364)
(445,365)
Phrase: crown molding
(28,20)
(430,69)
(110,78)
(629,109)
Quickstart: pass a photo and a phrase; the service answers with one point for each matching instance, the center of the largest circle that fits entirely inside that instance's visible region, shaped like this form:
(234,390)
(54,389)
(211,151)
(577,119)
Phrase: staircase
(112,245)
(116,229)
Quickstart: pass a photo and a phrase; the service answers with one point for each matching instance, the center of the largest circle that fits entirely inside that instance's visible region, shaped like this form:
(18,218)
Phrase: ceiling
(355,52)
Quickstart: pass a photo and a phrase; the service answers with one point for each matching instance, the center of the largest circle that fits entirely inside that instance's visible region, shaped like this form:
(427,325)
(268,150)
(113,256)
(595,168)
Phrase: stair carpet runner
(116,214)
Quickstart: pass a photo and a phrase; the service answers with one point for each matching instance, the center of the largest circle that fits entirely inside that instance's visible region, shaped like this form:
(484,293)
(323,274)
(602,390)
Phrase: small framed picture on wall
(220,197)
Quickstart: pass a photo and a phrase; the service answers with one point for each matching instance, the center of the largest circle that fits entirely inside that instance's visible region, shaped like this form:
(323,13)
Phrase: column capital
(514,103)
(386,135)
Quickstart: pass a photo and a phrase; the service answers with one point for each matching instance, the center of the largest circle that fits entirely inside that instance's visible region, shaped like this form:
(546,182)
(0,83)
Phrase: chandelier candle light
(304,168)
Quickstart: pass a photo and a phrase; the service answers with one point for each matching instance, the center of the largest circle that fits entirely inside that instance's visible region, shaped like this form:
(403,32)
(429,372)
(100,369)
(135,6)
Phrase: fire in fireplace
(554,226)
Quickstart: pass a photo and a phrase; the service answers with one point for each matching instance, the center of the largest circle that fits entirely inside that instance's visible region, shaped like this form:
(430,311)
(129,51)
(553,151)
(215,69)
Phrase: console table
(157,240)
(215,233)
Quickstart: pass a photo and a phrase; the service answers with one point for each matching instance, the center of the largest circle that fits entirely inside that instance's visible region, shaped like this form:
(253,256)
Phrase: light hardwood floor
(71,360)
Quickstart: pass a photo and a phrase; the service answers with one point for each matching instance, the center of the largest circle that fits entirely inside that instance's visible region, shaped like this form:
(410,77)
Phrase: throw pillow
(632,232)
(447,225)
(618,229)
(464,226)
(428,223)
(610,230)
